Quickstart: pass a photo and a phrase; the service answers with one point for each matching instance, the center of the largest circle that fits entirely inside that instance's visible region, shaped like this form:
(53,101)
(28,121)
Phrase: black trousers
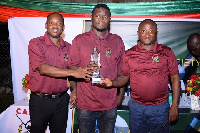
(48,111)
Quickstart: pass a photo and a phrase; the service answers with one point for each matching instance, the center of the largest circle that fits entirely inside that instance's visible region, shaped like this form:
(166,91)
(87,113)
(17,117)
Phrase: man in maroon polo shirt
(48,61)
(148,65)
(93,102)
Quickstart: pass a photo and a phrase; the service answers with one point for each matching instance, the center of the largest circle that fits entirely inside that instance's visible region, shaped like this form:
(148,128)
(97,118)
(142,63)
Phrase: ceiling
(108,1)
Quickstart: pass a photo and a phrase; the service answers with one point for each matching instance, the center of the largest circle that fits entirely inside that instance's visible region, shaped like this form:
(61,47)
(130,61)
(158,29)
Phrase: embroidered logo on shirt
(155,58)
(108,52)
(66,57)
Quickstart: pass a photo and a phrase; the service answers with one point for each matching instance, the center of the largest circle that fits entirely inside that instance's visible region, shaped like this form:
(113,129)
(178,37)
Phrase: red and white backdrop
(26,20)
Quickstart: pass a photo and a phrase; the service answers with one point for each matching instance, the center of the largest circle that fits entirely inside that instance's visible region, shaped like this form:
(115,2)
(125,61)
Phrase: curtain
(40,8)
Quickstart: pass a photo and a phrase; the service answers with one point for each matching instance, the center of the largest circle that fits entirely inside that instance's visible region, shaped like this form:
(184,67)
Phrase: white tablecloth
(16,118)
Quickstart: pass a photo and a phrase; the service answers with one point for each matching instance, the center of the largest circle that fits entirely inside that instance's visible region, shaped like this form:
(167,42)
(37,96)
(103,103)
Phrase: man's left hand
(73,99)
(173,113)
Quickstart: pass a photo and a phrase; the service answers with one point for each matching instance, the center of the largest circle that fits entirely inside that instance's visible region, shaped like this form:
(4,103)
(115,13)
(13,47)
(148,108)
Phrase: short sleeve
(74,57)
(122,50)
(125,69)
(36,54)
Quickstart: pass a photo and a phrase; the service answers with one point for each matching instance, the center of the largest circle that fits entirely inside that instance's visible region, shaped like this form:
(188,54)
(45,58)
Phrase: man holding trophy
(102,51)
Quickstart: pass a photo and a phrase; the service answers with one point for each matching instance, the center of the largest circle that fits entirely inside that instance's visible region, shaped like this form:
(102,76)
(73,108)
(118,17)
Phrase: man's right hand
(84,73)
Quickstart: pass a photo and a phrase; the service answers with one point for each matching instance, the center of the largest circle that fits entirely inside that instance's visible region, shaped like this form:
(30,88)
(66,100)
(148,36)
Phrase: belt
(44,95)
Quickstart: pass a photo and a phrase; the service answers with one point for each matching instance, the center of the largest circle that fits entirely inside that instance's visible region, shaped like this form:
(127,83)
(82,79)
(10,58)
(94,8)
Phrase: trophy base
(96,80)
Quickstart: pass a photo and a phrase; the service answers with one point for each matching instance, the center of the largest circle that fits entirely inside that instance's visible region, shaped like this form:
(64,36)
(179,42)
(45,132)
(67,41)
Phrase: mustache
(54,28)
(147,38)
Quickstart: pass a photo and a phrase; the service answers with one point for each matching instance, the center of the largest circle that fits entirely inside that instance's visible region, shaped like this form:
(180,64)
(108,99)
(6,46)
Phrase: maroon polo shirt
(149,72)
(111,48)
(42,50)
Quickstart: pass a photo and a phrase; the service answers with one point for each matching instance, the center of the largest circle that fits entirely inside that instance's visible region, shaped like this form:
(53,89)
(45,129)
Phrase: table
(185,117)
(16,119)
(121,125)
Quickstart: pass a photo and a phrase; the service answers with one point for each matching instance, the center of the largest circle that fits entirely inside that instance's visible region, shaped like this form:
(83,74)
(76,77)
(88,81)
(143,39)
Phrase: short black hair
(101,6)
(150,20)
(57,14)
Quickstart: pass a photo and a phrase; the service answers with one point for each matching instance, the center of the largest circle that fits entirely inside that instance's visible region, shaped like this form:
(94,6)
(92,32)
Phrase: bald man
(193,45)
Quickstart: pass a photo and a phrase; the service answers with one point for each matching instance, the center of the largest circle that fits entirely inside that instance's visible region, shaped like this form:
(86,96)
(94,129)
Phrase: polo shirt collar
(155,48)
(49,42)
(93,35)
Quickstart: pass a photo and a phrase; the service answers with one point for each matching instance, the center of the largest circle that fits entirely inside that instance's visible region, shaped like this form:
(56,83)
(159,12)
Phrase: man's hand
(92,66)
(106,82)
(173,113)
(73,99)
(85,73)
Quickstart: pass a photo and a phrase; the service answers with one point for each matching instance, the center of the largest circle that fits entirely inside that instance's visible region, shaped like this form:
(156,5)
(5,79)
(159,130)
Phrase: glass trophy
(95,56)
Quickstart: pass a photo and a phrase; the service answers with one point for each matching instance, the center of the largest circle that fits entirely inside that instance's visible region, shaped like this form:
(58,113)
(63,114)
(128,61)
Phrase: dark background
(6,87)
(3,31)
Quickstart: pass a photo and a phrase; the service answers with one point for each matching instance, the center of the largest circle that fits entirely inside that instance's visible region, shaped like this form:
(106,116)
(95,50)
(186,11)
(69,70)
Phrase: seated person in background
(192,59)
(193,45)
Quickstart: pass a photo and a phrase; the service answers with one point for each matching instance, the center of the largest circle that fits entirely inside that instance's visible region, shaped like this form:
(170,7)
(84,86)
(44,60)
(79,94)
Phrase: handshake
(89,73)
(97,78)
